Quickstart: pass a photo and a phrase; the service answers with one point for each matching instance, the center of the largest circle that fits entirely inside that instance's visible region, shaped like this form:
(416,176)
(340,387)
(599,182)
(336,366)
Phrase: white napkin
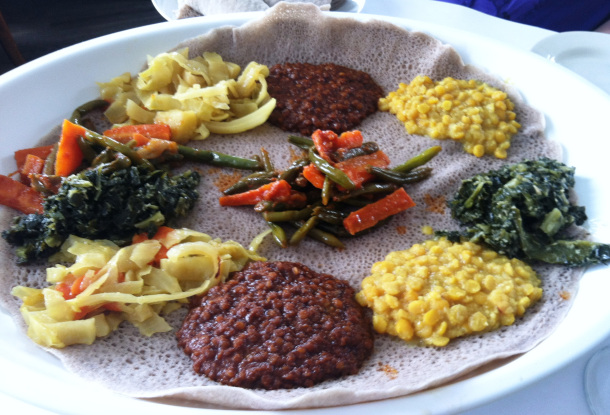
(189,8)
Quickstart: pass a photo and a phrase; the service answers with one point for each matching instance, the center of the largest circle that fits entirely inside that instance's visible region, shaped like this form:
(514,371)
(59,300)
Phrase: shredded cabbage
(107,284)
(206,89)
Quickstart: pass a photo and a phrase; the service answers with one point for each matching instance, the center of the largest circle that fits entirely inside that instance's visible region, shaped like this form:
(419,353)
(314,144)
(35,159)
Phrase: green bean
(370,188)
(219,159)
(303,230)
(104,141)
(337,230)
(288,215)
(419,160)
(291,173)
(85,147)
(166,158)
(261,174)
(391,176)
(366,148)
(105,156)
(267,164)
(304,143)
(254,181)
(263,206)
(331,172)
(326,238)
(49,162)
(270,206)
(331,216)
(279,236)
(120,162)
(84,109)
(46,184)
(327,189)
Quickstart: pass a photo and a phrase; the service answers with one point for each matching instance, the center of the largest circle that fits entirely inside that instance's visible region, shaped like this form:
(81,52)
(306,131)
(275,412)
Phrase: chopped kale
(524,211)
(103,205)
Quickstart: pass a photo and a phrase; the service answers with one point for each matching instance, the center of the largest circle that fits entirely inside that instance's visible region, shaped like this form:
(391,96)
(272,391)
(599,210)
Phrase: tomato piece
(328,142)
(369,215)
(314,176)
(21,155)
(19,196)
(356,168)
(274,191)
(126,133)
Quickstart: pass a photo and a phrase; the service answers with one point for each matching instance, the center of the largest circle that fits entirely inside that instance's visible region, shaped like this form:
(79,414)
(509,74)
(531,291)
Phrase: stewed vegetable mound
(139,283)
(439,290)
(468,111)
(525,210)
(341,186)
(321,97)
(277,325)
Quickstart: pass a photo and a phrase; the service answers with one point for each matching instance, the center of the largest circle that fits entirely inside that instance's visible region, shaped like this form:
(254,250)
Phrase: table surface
(40,27)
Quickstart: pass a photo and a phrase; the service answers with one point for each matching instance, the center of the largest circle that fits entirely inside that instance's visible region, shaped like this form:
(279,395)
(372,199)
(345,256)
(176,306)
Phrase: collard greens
(524,211)
(98,205)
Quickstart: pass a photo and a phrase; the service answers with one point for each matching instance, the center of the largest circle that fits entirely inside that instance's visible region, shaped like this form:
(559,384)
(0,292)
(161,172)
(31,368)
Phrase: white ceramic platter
(37,95)
(586,53)
(168,8)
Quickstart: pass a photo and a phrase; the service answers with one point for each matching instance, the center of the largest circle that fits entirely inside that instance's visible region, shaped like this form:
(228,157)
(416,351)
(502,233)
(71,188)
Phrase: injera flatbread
(194,8)
(154,367)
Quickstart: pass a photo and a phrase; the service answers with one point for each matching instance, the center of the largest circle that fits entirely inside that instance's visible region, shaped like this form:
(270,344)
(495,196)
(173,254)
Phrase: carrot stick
(314,176)
(356,168)
(140,139)
(79,285)
(324,142)
(349,139)
(126,133)
(161,233)
(19,196)
(69,154)
(21,155)
(33,165)
(327,142)
(371,214)
(273,191)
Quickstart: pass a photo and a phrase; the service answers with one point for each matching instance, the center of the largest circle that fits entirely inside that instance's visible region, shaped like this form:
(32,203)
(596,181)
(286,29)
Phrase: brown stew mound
(277,325)
(326,97)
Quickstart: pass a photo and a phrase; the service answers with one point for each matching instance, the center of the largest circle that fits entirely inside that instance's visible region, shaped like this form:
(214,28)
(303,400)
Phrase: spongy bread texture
(154,367)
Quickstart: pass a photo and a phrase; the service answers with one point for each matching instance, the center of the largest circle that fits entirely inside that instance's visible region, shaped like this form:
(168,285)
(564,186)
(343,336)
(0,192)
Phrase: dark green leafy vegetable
(524,211)
(101,204)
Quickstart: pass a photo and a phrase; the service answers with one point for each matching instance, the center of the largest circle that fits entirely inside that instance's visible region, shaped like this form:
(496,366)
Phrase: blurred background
(33,28)
(39,27)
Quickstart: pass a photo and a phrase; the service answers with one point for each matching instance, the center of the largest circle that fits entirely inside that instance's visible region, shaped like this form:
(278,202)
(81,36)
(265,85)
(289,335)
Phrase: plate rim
(431,395)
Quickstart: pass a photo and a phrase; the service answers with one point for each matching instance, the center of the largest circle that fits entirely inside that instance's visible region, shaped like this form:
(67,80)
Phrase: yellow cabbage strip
(106,285)
(193,96)
(245,123)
